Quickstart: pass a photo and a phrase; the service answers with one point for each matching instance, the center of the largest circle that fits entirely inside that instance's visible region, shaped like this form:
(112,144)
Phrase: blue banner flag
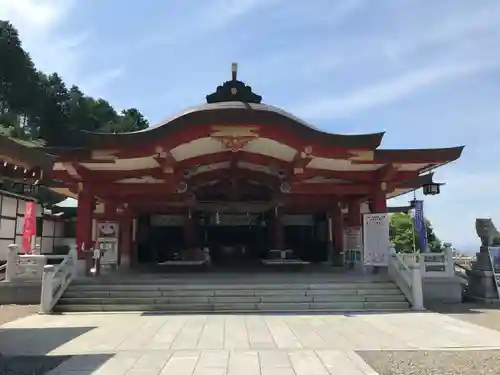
(419,223)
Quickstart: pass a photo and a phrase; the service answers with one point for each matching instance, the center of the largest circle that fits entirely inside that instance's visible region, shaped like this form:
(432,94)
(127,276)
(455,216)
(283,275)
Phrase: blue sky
(425,71)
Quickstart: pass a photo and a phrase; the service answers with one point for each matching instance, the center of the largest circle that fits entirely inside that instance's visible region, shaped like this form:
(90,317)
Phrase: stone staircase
(239,294)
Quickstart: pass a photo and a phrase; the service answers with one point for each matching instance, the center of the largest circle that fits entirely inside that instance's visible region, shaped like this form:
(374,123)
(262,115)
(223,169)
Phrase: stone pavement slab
(278,344)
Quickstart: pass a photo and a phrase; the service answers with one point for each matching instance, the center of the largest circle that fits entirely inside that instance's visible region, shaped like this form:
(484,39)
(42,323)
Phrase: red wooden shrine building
(235,173)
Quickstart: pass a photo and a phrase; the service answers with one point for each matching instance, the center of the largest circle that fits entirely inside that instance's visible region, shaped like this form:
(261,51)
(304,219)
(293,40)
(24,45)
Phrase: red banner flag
(29,228)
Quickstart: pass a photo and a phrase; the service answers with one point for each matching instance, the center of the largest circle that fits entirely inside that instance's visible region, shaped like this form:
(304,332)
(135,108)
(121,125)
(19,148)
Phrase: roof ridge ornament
(234,91)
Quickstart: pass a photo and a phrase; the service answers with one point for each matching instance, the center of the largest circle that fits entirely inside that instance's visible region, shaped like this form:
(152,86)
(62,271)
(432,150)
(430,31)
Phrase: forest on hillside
(37,105)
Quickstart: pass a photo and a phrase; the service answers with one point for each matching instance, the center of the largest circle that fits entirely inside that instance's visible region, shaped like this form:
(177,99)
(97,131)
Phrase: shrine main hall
(236,178)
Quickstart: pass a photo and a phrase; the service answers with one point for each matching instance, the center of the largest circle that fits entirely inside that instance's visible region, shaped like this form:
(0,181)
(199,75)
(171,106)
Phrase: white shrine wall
(12,208)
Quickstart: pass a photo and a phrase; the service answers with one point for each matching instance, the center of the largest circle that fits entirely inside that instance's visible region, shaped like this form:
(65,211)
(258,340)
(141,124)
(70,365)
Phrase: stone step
(242,280)
(271,286)
(242,307)
(79,292)
(229,300)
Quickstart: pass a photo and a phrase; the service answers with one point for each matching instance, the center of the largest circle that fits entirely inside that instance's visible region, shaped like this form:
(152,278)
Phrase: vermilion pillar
(354,214)
(189,229)
(125,239)
(84,225)
(379,199)
(337,230)
(278,230)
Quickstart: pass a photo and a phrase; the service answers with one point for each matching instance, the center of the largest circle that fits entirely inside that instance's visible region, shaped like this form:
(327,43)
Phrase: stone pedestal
(481,279)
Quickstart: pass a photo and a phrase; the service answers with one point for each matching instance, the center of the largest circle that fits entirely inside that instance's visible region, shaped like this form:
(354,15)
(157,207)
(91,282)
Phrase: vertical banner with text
(29,228)
(419,223)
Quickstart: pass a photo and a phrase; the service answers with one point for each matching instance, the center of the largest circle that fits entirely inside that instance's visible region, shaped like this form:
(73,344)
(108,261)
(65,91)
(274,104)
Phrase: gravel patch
(8,313)
(30,365)
(450,362)
(484,315)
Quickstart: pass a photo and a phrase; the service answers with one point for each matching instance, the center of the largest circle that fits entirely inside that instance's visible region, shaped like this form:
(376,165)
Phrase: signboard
(106,229)
(107,238)
(376,240)
(29,228)
(167,220)
(234,220)
(494,253)
(354,244)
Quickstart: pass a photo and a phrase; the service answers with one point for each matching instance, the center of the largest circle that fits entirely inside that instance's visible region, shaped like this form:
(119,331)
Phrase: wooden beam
(387,172)
(301,160)
(357,176)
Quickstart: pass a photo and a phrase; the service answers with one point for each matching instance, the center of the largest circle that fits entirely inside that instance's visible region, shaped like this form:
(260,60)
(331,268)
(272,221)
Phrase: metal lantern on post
(431,188)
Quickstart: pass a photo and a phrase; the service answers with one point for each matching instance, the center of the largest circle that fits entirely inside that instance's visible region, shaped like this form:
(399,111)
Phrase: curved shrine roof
(233,113)
(14,152)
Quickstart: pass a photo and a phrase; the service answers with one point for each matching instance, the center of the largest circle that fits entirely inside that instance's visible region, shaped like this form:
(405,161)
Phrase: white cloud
(211,16)
(97,84)
(448,25)
(392,90)
(34,15)
(38,23)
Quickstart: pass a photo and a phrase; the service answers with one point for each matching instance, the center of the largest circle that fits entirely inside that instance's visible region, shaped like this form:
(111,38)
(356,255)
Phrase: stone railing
(3,267)
(56,279)
(29,267)
(438,264)
(404,270)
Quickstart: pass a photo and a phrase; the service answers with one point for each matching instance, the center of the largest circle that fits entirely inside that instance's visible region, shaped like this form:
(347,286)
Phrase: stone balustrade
(26,267)
(438,264)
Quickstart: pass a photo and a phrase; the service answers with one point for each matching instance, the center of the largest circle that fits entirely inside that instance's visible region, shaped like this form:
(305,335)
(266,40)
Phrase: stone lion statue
(487,232)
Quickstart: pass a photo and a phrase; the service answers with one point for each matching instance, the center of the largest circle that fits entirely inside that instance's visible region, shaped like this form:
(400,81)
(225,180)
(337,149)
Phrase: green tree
(79,109)
(33,104)
(18,79)
(101,115)
(402,234)
(51,122)
(130,120)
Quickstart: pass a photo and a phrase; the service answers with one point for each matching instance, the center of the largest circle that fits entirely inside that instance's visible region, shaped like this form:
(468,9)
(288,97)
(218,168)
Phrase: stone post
(46,293)
(12,262)
(416,287)
(448,258)
(73,259)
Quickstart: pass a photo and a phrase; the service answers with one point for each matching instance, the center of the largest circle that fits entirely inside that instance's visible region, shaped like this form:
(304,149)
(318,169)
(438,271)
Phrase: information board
(376,240)
(494,253)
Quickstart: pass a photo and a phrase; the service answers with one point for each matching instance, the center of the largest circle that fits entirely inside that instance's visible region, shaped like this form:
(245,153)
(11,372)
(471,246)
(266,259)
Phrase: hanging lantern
(32,189)
(431,189)
(217,218)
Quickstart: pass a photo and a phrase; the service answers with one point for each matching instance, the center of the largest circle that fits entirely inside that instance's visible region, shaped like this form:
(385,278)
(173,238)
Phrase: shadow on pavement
(24,352)
(37,341)
(52,365)
(463,308)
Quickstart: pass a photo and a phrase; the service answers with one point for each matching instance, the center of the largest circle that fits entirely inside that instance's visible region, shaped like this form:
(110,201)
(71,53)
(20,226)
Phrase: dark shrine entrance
(232,239)
(235,239)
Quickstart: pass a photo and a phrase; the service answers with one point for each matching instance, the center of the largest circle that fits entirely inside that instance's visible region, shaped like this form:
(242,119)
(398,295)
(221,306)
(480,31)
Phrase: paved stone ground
(347,344)
(9,313)
(485,315)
